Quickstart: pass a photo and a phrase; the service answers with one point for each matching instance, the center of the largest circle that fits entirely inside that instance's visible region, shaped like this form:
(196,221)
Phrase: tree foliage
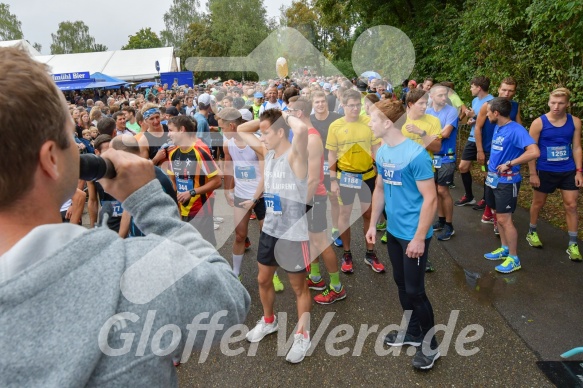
(216,35)
(10,26)
(74,37)
(538,42)
(145,38)
(177,19)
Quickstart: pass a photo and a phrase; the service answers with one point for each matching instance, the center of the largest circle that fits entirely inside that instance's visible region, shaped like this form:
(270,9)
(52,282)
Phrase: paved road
(527,316)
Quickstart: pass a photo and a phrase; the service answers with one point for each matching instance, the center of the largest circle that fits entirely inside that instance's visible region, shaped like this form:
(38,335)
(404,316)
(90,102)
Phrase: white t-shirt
(269,105)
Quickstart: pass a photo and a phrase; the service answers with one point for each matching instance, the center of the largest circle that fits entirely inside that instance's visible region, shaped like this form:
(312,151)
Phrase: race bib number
(184,185)
(492,180)
(557,154)
(437,159)
(116,208)
(350,180)
(326,168)
(272,203)
(245,173)
(391,175)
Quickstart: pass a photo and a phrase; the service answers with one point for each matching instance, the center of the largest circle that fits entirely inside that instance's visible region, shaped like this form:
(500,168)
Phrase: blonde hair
(149,105)
(561,92)
(95,113)
(86,131)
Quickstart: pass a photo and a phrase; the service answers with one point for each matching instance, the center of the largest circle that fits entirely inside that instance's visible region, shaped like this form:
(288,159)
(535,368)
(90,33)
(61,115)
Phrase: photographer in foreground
(82,307)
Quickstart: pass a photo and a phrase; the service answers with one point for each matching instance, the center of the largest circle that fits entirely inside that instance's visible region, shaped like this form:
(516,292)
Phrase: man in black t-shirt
(99,199)
(321,120)
(129,144)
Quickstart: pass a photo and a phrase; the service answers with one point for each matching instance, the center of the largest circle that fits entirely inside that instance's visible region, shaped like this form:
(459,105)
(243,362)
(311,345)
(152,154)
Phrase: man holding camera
(75,301)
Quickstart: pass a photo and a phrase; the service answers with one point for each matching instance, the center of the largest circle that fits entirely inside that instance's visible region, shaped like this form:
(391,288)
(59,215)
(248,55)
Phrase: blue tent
(75,85)
(106,81)
(145,85)
(90,83)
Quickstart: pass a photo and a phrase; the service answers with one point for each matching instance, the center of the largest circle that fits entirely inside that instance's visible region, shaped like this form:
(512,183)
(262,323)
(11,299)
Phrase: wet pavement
(529,316)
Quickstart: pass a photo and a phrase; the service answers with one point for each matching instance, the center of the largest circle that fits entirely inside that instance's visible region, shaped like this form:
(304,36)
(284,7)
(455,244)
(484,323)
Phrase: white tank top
(245,168)
(285,200)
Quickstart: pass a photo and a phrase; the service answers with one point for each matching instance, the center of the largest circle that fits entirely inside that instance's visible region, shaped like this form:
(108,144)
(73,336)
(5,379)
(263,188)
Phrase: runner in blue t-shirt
(559,166)
(444,160)
(511,146)
(483,133)
(405,189)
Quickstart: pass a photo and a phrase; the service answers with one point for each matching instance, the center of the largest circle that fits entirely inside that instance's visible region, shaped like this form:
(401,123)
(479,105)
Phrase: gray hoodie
(87,308)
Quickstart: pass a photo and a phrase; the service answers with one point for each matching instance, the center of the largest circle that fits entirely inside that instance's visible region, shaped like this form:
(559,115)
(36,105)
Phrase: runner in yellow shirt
(352,147)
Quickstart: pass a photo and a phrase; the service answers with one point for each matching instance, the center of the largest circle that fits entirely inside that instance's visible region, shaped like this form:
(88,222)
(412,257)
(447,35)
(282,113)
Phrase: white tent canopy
(21,44)
(128,65)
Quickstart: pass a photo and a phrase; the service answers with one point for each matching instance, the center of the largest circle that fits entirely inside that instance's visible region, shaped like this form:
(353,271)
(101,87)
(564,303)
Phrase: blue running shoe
(497,254)
(446,234)
(337,240)
(509,265)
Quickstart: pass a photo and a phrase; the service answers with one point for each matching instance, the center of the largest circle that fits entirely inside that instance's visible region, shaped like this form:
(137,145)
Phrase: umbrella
(145,85)
(368,74)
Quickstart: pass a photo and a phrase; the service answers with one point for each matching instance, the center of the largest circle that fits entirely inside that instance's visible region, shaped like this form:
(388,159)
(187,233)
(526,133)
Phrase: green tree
(245,28)
(74,37)
(37,46)
(145,38)
(10,26)
(99,47)
(302,17)
(177,19)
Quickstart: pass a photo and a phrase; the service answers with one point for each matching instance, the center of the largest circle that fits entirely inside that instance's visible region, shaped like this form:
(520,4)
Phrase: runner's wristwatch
(192,193)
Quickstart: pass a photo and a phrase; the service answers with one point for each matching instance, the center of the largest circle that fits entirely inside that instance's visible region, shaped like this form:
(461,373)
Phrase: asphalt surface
(527,316)
(530,316)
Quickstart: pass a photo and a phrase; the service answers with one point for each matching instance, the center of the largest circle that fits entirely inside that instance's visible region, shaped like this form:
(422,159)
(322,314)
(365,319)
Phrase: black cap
(172,111)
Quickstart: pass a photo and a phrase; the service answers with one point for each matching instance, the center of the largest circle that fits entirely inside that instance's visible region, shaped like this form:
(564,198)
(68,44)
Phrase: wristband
(333,178)
(579,170)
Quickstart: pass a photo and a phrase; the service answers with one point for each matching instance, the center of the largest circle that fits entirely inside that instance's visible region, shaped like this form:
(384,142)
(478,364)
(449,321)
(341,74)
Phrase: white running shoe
(216,226)
(218,220)
(299,349)
(261,330)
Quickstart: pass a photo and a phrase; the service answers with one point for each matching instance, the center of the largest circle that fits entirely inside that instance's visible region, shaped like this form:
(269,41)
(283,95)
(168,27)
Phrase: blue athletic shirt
(447,116)
(556,146)
(508,143)
(401,167)
(476,106)
(488,128)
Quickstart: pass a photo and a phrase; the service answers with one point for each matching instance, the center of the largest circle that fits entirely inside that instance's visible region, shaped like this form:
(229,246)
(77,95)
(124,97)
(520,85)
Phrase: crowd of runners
(281,150)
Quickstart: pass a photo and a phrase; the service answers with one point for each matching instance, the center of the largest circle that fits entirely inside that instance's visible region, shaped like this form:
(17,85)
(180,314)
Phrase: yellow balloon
(281,67)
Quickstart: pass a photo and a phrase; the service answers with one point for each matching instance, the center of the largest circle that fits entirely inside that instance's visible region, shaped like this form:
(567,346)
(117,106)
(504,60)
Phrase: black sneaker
(437,226)
(421,361)
(429,267)
(392,339)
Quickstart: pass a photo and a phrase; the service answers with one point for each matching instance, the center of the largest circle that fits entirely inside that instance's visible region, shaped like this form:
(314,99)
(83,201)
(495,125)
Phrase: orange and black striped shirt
(191,169)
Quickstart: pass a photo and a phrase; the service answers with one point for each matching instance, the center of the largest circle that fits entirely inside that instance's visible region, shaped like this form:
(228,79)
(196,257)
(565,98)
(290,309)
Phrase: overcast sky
(110,22)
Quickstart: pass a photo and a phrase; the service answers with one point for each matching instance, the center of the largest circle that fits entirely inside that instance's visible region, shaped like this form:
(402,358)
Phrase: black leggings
(409,274)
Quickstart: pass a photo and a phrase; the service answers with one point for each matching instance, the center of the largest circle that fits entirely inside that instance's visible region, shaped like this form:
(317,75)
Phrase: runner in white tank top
(284,240)
(243,181)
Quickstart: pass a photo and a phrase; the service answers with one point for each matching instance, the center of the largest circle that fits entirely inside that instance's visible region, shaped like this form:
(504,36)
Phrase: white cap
(246,114)
(204,99)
